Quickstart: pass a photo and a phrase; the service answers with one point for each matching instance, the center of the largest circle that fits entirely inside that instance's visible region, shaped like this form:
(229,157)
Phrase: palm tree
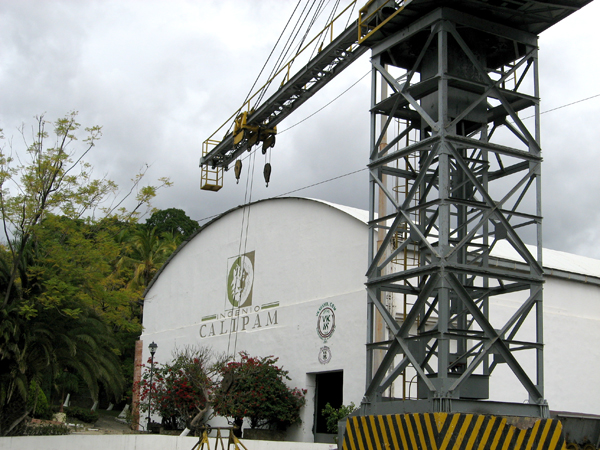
(25,352)
(147,253)
(84,347)
(40,341)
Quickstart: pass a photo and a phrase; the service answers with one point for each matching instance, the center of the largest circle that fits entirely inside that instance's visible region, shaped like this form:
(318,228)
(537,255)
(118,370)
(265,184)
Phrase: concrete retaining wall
(137,441)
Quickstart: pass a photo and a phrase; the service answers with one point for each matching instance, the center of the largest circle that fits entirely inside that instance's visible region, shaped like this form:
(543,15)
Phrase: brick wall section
(137,377)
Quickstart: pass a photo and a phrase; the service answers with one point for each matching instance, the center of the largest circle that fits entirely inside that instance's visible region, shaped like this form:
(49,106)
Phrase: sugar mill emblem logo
(243,316)
(324,355)
(326,320)
(240,279)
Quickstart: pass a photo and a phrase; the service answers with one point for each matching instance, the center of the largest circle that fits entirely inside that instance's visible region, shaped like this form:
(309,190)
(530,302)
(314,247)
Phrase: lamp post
(152,347)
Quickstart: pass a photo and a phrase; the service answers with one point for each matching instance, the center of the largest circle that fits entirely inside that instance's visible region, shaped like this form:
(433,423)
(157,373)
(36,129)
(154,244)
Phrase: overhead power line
(326,105)
(365,168)
(568,104)
(322,182)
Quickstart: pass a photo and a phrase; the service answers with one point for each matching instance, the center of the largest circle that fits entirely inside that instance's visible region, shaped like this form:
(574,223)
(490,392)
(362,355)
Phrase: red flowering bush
(179,389)
(255,388)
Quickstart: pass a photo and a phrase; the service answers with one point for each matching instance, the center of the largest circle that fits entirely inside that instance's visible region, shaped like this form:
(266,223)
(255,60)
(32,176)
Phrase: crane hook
(267,173)
(238,170)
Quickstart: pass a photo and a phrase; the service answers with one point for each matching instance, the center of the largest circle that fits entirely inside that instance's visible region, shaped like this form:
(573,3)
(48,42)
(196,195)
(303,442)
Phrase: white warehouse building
(304,301)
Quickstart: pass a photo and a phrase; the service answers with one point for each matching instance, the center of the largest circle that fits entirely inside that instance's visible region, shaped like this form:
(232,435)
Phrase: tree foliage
(45,179)
(179,390)
(334,415)
(72,268)
(145,254)
(63,296)
(255,388)
(174,221)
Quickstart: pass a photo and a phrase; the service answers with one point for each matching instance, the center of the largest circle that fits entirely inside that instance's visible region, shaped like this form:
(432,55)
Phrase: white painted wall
(571,350)
(135,442)
(306,254)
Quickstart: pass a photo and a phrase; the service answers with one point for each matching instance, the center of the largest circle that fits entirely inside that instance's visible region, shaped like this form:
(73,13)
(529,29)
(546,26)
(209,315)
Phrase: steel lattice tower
(455,181)
(454,176)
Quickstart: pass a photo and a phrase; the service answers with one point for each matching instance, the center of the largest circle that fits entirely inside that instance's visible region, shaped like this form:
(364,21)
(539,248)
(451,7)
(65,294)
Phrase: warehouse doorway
(329,388)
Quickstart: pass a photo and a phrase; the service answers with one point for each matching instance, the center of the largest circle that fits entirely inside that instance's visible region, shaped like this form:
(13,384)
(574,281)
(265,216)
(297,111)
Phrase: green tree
(74,263)
(84,346)
(25,352)
(46,179)
(60,296)
(172,220)
(146,253)
(334,415)
(38,402)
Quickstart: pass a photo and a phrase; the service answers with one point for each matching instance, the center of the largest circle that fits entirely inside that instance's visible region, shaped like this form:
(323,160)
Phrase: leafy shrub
(46,430)
(38,403)
(82,414)
(179,389)
(334,415)
(255,388)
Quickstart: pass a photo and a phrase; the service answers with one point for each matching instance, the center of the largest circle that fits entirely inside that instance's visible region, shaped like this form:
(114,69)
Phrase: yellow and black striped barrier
(442,431)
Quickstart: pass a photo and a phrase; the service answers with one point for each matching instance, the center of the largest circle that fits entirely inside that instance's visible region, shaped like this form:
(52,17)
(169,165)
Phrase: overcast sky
(161,76)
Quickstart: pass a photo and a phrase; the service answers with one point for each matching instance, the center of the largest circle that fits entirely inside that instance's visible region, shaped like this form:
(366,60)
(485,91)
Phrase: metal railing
(286,68)
(368,16)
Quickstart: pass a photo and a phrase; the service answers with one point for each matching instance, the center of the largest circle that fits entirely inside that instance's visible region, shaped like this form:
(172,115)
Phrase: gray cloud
(160,77)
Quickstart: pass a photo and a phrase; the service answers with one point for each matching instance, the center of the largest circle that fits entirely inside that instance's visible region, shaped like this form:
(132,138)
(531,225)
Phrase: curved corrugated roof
(555,263)
(359,214)
(356,213)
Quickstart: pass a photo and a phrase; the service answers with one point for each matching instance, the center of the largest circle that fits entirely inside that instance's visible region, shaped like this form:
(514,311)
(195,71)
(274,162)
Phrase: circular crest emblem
(326,323)
(239,281)
(324,355)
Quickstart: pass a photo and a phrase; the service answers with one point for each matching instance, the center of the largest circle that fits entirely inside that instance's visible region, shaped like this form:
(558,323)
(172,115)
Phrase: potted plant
(334,415)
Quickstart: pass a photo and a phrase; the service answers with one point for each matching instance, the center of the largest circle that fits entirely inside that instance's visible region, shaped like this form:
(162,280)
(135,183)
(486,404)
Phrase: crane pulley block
(241,129)
(268,142)
(255,126)
(252,134)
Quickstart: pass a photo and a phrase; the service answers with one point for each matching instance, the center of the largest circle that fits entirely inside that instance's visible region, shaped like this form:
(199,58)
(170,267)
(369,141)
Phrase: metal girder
(517,20)
(319,71)
(445,188)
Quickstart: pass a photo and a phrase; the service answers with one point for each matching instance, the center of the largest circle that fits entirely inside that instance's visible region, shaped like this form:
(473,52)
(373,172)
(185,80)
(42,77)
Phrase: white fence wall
(137,441)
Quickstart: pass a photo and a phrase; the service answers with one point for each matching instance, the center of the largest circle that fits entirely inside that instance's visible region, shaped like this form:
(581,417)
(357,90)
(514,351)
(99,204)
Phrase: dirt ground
(106,424)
